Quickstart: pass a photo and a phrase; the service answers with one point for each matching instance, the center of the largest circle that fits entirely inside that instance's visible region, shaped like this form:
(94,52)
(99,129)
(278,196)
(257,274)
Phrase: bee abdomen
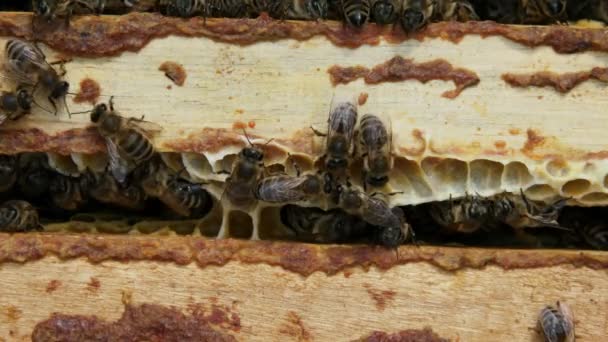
(554,325)
(137,146)
(356,12)
(18,216)
(373,132)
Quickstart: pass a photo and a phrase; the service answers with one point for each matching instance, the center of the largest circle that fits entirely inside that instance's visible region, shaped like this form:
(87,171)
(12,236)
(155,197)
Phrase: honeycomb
(485,141)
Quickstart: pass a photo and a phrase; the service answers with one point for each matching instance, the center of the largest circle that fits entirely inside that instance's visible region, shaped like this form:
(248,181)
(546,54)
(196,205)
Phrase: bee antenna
(67,109)
(269,141)
(247,137)
(83,112)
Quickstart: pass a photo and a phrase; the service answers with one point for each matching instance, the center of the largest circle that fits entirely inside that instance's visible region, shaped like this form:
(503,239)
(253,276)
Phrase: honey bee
(458,10)
(51,9)
(227,8)
(105,189)
(69,193)
(34,177)
(373,210)
(275,8)
(128,145)
(18,216)
(391,236)
(29,65)
(587,9)
(182,197)
(185,8)
(8,172)
(317,225)
(339,146)
(246,172)
(556,323)
(415,14)
(309,9)
(356,12)
(376,149)
(475,212)
(384,12)
(544,11)
(287,189)
(595,234)
(14,105)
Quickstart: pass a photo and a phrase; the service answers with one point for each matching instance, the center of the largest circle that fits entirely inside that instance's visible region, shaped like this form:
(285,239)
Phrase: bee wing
(120,166)
(144,127)
(18,73)
(289,189)
(3,117)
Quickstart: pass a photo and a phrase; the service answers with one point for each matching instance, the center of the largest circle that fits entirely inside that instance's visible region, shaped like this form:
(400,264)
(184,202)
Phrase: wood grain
(470,305)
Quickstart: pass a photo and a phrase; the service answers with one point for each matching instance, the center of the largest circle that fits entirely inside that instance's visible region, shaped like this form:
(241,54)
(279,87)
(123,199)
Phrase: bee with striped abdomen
(127,143)
(556,323)
(385,12)
(415,14)
(288,189)
(185,8)
(18,216)
(308,9)
(275,8)
(8,172)
(227,8)
(69,193)
(356,12)
(51,9)
(30,67)
(544,11)
(376,151)
(105,189)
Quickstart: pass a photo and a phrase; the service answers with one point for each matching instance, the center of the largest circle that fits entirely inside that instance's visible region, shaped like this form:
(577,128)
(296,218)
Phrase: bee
(595,234)
(18,216)
(105,189)
(458,10)
(227,8)
(391,236)
(376,149)
(275,8)
(374,210)
(469,215)
(415,14)
(8,172)
(29,65)
(182,197)
(51,9)
(14,105)
(288,189)
(339,146)
(246,172)
(308,9)
(384,12)
(544,11)
(69,193)
(185,8)
(34,177)
(128,145)
(317,225)
(556,323)
(356,12)
(503,11)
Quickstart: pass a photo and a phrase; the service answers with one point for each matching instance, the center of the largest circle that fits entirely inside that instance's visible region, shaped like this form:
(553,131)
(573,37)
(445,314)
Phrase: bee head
(24,99)
(478,210)
(42,8)
(502,208)
(383,12)
(10,102)
(376,180)
(390,237)
(349,199)
(60,89)
(317,9)
(336,163)
(252,154)
(553,8)
(356,18)
(412,20)
(98,111)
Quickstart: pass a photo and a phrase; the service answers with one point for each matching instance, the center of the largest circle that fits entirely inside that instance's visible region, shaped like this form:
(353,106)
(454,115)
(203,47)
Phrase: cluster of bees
(136,172)
(412,15)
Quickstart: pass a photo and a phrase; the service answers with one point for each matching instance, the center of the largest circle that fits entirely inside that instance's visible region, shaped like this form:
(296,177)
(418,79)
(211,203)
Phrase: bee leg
(255,221)
(318,133)
(295,165)
(50,98)
(111,103)
(224,229)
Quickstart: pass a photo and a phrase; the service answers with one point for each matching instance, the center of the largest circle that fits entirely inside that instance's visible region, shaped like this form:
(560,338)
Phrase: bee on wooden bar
(356,12)
(415,14)
(373,210)
(308,9)
(105,189)
(556,323)
(185,8)
(339,146)
(18,216)
(384,12)
(182,197)
(468,216)
(128,144)
(8,172)
(69,193)
(29,65)
(14,105)
(288,189)
(458,10)
(51,9)
(376,151)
